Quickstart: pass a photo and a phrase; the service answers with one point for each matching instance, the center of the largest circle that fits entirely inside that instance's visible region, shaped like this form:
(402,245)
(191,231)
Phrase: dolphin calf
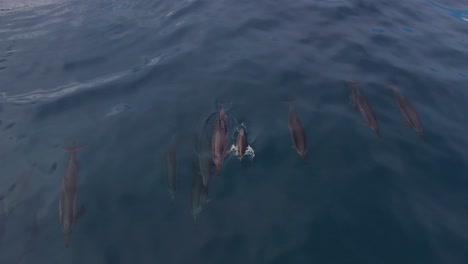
(408,111)
(296,129)
(359,101)
(68,202)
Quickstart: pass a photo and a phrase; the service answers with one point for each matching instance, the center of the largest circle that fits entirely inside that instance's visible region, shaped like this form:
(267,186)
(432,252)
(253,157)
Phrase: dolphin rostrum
(68,203)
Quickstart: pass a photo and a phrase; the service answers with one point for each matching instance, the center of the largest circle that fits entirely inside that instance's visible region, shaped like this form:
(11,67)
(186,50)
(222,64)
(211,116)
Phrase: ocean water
(133,78)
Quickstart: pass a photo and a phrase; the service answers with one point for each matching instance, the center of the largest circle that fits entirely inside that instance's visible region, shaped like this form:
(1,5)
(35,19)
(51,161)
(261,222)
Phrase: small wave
(329,1)
(29,35)
(49,95)
(457,13)
(44,95)
(13,5)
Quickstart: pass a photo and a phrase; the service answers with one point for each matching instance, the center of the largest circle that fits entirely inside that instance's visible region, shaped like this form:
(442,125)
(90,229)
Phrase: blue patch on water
(462,75)
(329,1)
(378,30)
(407,29)
(120,108)
(433,69)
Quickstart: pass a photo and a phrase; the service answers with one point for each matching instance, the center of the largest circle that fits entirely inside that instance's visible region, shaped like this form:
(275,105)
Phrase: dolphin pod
(360,102)
(213,152)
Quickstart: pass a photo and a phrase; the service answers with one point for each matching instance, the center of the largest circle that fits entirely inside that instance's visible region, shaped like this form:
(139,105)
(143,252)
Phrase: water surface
(126,76)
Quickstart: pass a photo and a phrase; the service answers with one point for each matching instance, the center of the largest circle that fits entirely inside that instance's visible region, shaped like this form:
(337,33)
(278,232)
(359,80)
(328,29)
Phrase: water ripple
(52,94)
(13,5)
(45,95)
(461,14)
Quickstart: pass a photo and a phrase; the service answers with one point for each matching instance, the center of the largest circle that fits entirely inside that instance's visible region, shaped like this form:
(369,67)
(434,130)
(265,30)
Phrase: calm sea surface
(134,79)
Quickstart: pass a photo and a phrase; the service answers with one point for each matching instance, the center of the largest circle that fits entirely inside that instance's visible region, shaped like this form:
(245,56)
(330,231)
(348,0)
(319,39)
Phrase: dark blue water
(132,78)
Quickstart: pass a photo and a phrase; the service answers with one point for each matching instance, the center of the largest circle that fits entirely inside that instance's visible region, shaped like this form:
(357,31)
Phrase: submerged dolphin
(32,238)
(68,203)
(11,200)
(219,140)
(3,218)
(205,161)
(296,129)
(359,101)
(199,195)
(171,170)
(14,196)
(408,111)
(241,146)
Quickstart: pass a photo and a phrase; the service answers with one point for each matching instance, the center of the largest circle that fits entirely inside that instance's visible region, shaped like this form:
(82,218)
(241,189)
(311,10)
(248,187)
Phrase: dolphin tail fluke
(353,83)
(75,148)
(73,140)
(350,77)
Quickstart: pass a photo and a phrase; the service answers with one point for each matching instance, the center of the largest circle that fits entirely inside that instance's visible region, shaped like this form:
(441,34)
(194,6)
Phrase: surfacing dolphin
(359,101)
(220,140)
(408,111)
(296,129)
(68,202)
(241,147)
